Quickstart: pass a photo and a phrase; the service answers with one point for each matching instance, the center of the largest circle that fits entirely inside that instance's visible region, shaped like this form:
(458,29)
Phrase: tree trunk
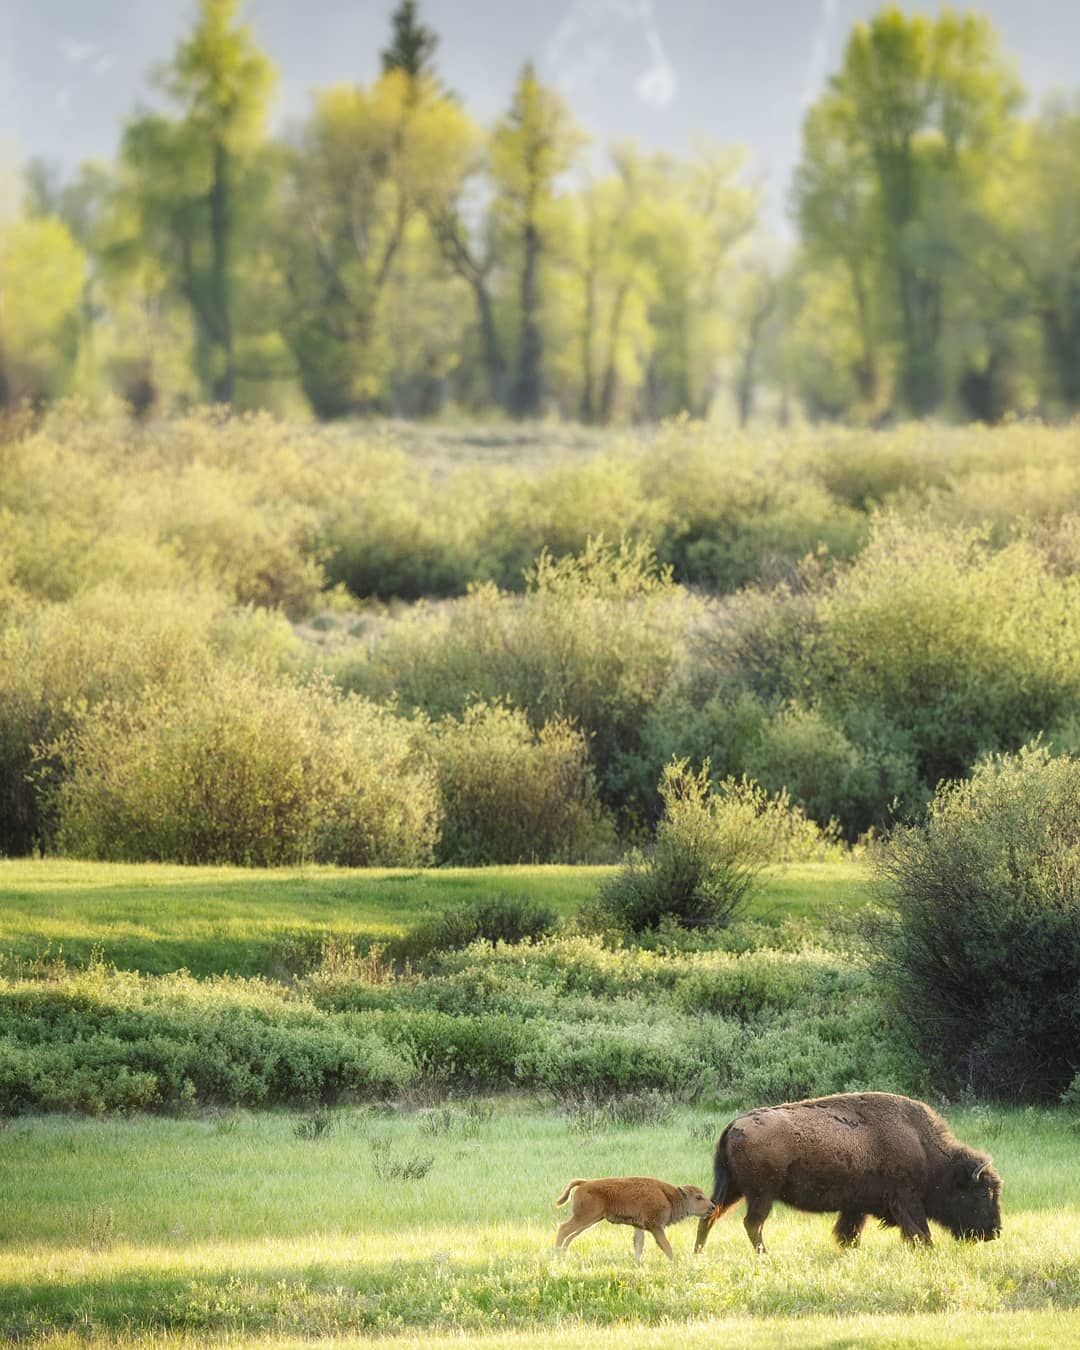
(220,275)
(528,391)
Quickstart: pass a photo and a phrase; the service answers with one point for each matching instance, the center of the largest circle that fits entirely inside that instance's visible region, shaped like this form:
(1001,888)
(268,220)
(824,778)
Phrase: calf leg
(706,1222)
(848,1228)
(662,1242)
(571,1229)
(639,1244)
(757,1211)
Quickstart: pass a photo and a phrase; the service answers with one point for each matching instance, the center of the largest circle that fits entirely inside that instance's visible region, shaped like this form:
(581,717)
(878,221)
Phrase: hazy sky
(658,70)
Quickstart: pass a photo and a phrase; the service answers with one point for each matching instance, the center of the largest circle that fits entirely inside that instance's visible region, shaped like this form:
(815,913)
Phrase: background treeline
(388,254)
(204,655)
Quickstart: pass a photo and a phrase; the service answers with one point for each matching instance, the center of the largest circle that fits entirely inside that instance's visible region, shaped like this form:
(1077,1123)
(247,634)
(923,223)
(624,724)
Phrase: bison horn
(981,1169)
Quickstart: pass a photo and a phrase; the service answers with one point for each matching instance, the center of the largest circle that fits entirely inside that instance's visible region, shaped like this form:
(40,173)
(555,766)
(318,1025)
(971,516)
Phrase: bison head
(969,1201)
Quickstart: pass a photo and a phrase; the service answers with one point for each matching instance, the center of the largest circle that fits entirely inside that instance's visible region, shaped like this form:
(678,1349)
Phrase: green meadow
(158,918)
(424,1216)
(233,1226)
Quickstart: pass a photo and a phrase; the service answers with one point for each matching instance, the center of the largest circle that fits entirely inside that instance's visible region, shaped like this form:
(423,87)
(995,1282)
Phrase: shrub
(102,1041)
(964,649)
(500,918)
(982,945)
(828,775)
(511,794)
(62,659)
(593,641)
(238,769)
(710,848)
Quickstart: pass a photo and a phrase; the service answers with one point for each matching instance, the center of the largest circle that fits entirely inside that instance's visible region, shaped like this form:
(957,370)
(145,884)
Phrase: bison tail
(566,1194)
(721,1176)
(724,1192)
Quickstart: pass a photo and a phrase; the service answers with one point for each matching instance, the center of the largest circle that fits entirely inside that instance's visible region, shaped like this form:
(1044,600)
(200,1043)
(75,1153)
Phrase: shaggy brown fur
(859,1153)
(643,1202)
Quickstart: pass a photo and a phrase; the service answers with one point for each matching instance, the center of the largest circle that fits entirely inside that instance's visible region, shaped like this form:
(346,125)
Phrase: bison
(859,1153)
(646,1204)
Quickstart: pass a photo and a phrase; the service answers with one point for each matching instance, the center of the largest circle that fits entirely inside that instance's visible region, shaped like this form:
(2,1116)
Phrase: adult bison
(862,1153)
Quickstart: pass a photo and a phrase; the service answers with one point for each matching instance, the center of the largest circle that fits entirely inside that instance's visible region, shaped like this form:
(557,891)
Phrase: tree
(532,146)
(918,109)
(696,212)
(361,171)
(1036,211)
(42,271)
(412,46)
(200,178)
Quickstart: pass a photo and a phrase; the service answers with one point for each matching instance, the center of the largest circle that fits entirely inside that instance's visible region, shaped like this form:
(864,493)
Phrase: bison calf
(646,1204)
(861,1154)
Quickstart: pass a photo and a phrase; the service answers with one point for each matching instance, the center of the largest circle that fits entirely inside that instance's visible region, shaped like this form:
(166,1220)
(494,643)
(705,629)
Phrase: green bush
(238,769)
(964,649)
(499,918)
(59,660)
(514,795)
(103,1041)
(710,849)
(829,776)
(593,641)
(982,945)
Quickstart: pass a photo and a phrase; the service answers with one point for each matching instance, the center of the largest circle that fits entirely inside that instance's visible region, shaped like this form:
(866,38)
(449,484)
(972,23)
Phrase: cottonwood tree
(918,110)
(199,180)
(532,146)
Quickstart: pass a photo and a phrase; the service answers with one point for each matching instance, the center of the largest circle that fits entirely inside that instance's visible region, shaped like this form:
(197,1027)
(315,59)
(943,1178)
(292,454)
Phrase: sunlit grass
(209,920)
(235,1226)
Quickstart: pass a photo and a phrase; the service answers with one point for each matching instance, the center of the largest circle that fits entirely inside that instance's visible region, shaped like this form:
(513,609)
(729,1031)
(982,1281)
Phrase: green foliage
(593,641)
(498,918)
(514,795)
(237,769)
(962,648)
(42,271)
(982,941)
(710,849)
(102,1041)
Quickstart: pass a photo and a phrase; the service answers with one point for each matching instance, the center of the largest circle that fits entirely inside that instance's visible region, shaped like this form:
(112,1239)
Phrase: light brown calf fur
(646,1204)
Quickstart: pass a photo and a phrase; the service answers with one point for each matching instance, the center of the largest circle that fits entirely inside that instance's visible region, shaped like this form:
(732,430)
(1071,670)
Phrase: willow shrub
(962,648)
(593,640)
(236,768)
(982,942)
(710,849)
(511,794)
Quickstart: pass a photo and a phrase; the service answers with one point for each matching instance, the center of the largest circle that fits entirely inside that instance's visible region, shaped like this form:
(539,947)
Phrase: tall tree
(412,45)
(197,175)
(361,171)
(917,108)
(1035,209)
(42,271)
(532,146)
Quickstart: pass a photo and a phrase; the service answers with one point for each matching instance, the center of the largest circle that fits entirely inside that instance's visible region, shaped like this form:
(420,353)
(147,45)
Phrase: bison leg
(639,1244)
(911,1216)
(848,1228)
(571,1229)
(662,1242)
(757,1211)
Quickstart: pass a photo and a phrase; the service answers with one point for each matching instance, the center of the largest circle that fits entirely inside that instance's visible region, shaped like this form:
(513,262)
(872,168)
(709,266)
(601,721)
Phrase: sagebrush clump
(982,940)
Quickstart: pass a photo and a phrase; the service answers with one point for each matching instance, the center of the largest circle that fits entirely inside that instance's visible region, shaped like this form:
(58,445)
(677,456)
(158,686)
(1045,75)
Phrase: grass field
(212,920)
(428,1225)
(234,1226)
